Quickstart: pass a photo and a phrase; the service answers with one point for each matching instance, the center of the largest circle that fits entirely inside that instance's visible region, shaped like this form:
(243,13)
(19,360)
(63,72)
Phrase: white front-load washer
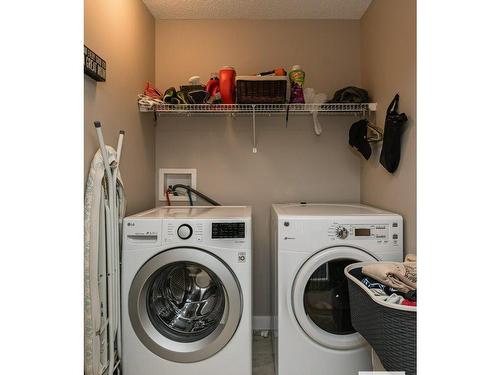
(311,246)
(187,291)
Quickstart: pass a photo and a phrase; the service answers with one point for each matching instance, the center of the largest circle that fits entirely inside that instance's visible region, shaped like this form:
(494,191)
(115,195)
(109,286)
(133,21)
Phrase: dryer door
(320,297)
(185,304)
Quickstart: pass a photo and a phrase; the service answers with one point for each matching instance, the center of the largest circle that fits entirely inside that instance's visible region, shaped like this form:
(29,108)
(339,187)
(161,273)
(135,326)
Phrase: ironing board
(99,327)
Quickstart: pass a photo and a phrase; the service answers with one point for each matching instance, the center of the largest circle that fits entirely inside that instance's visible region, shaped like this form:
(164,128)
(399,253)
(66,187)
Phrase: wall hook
(377,134)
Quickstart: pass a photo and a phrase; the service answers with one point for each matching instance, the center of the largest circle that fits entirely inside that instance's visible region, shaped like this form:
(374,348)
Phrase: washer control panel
(202,231)
(225,230)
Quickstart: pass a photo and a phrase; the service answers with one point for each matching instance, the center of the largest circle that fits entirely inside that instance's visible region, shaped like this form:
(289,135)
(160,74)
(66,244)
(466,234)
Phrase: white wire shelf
(324,108)
(253,110)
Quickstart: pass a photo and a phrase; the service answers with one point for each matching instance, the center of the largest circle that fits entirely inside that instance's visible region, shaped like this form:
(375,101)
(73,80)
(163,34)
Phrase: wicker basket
(261,90)
(389,328)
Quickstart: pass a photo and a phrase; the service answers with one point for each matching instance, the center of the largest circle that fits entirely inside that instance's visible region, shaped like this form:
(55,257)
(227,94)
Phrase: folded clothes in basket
(400,276)
(377,288)
(384,287)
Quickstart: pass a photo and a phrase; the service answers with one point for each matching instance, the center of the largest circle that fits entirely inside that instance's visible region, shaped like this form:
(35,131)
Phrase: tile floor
(262,356)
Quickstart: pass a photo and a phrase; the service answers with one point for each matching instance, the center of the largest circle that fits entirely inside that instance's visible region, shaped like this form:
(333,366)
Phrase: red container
(227,75)
(212,86)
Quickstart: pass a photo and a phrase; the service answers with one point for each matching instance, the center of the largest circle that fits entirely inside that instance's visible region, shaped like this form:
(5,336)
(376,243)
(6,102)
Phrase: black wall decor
(93,65)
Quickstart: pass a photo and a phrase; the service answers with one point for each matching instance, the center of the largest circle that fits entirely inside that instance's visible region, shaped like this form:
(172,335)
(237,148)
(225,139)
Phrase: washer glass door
(185,304)
(185,301)
(321,297)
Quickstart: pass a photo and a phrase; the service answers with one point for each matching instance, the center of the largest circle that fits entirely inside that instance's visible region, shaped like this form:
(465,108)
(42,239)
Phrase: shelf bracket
(253,128)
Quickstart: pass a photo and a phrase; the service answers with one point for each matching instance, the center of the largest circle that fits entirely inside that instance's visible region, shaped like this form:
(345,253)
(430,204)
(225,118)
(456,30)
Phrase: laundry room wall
(388,66)
(292,163)
(122,33)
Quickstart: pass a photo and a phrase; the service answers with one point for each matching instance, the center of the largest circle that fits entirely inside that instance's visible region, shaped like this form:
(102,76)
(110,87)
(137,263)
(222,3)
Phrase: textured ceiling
(257,9)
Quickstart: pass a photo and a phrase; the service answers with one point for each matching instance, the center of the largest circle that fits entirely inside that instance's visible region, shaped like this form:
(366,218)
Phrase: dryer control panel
(380,232)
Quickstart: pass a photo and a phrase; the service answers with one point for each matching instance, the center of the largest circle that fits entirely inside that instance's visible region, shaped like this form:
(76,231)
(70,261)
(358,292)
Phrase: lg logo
(130,224)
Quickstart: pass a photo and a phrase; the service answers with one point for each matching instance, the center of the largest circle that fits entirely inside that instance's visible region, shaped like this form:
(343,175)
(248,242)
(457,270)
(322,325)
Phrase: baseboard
(261,322)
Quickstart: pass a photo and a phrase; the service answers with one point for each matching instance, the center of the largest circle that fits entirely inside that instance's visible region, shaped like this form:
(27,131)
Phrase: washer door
(320,297)
(185,304)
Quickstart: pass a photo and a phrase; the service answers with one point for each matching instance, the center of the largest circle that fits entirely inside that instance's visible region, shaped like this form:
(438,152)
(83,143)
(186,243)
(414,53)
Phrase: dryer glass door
(185,304)
(326,298)
(321,297)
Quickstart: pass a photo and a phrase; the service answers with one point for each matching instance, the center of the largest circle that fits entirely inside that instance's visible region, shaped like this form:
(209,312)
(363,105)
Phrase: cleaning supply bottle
(296,77)
(227,77)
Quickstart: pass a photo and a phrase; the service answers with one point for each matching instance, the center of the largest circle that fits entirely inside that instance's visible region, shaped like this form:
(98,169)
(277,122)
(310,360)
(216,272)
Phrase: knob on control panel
(184,231)
(341,233)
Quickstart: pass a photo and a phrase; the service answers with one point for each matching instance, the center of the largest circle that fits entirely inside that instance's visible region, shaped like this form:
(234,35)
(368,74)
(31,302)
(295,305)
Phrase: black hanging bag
(391,147)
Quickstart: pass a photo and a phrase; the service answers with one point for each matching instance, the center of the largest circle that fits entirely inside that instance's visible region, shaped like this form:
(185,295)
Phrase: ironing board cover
(95,304)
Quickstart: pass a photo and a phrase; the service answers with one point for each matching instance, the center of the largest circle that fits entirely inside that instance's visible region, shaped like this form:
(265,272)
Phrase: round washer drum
(320,299)
(185,304)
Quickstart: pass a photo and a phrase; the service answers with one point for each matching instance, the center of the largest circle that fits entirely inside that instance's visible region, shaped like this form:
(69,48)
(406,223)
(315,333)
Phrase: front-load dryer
(187,291)
(311,246)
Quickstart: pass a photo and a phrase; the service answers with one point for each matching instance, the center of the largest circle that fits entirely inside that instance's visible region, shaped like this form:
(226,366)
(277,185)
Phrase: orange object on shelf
(227,76)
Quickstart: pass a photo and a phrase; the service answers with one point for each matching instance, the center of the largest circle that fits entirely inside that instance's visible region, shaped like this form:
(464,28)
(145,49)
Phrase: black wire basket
(389,328)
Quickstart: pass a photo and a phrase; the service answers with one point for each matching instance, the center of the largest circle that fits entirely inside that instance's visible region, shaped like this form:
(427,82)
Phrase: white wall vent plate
(172,176)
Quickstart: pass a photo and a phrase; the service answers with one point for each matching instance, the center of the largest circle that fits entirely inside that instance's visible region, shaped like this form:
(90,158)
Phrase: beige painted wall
(388,66)
(122,32)
(292,164)
(327,50)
